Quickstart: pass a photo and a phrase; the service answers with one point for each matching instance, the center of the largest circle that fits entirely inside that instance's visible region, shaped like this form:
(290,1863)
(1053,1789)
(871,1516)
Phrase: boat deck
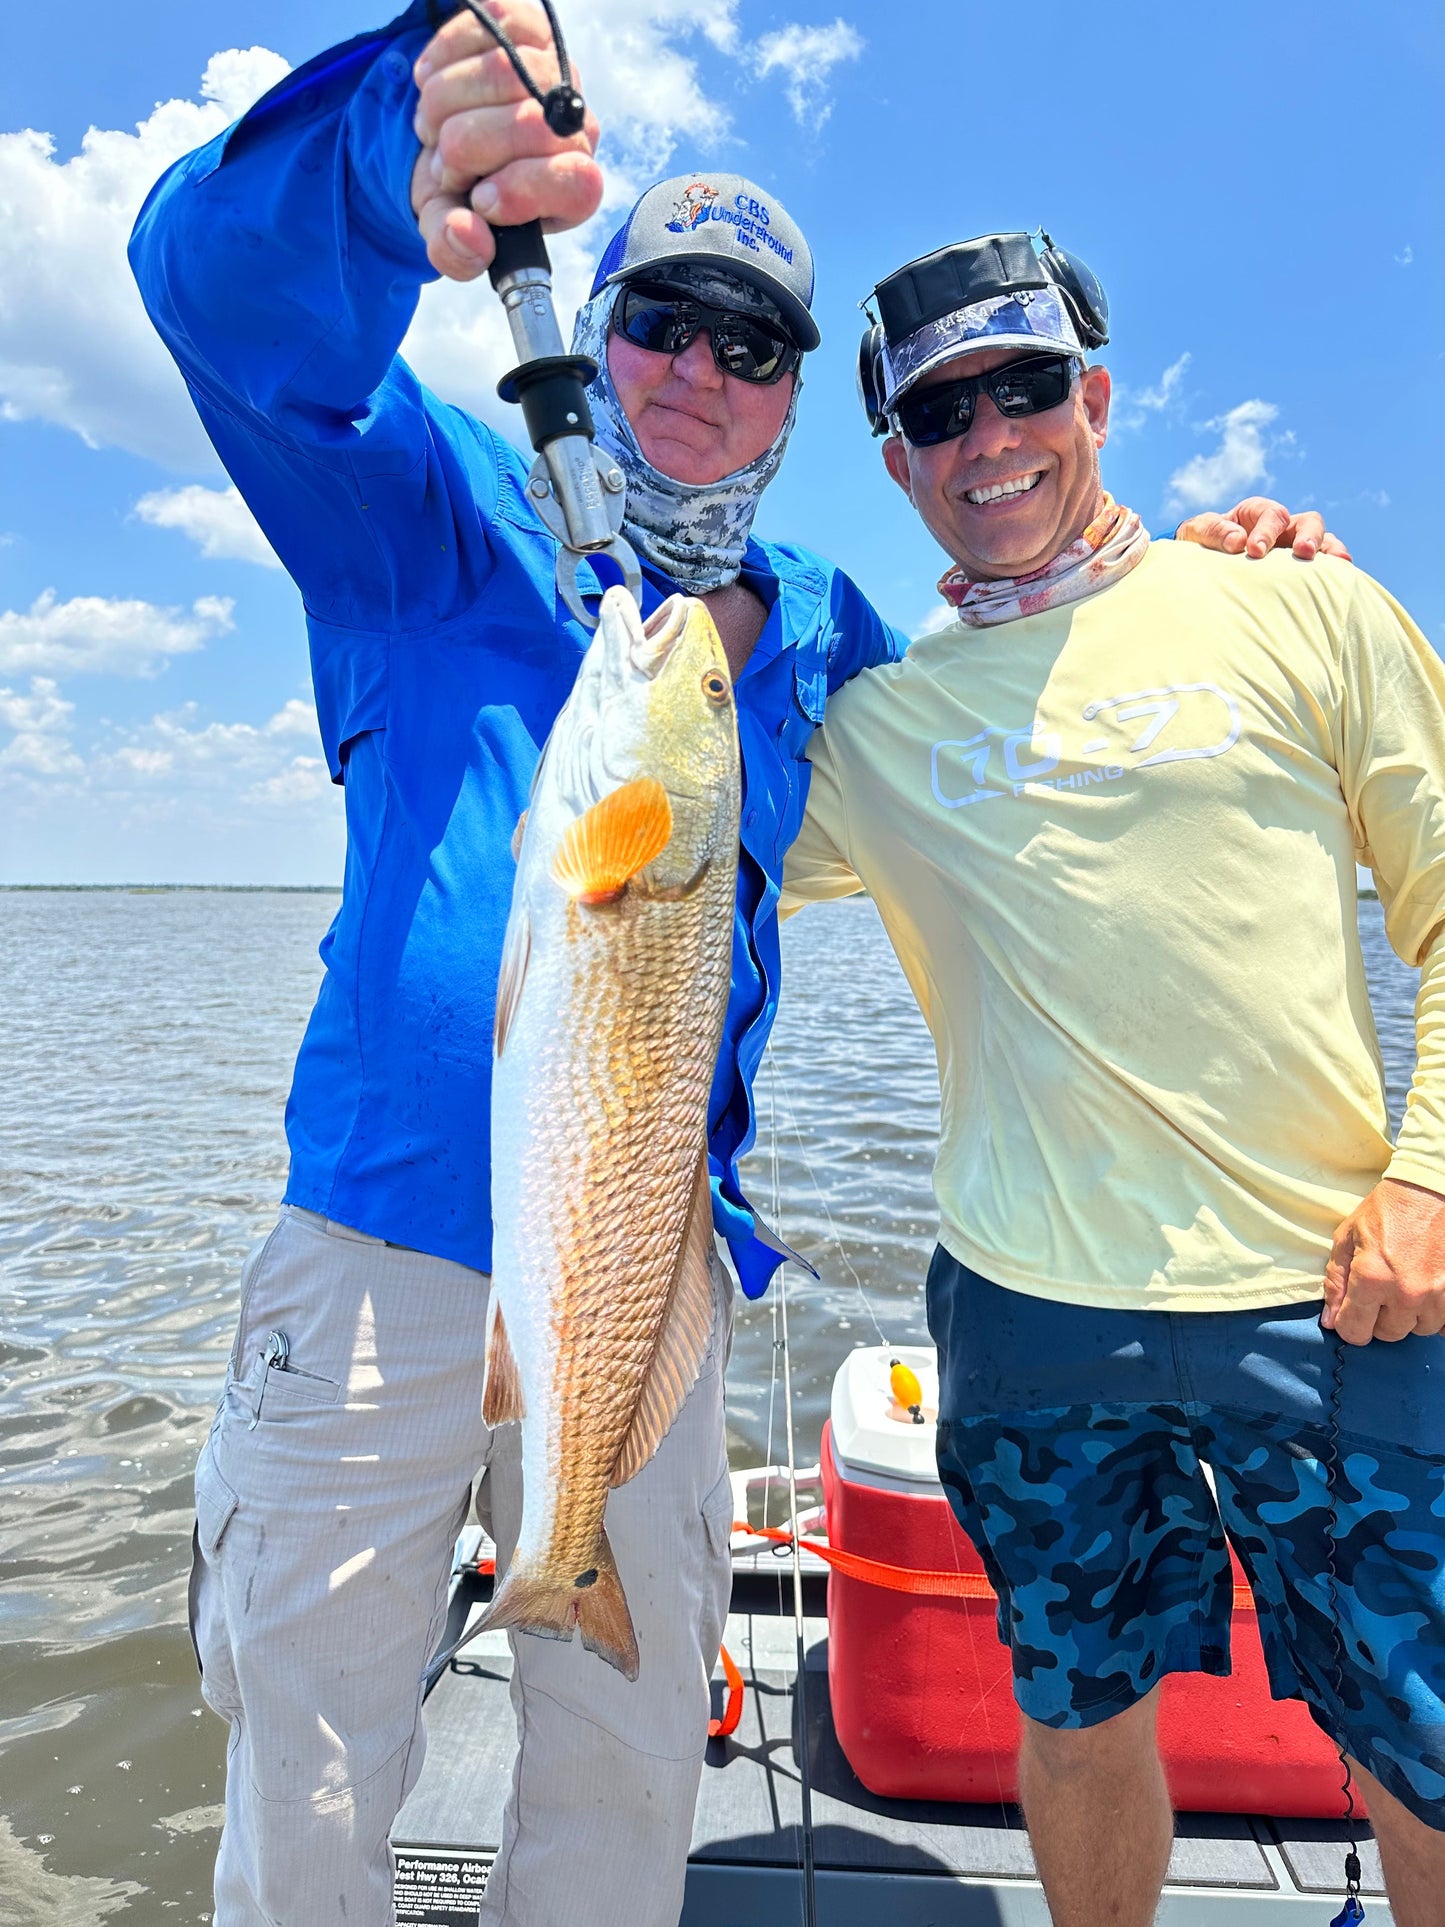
(926,1864)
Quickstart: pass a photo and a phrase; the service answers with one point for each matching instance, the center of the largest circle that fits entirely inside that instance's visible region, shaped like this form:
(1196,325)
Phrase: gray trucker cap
(728,221)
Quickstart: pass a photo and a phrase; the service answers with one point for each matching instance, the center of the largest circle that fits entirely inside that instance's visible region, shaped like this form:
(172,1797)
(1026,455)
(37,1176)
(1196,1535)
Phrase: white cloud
(1133,407)
(215,519)
(255,763)
(105,635)
(173,799)
(41,723)
(1406,256)
(942,615)
(75,345)
(806,56)
(303,780)
(271,762)
(1239,464)
(76,348)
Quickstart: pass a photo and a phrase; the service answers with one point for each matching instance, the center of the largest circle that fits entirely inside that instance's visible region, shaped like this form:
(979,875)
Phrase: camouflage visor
(1033,320)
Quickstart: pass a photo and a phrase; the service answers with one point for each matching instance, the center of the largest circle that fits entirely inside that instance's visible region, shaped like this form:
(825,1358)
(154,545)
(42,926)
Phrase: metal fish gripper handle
(578,492)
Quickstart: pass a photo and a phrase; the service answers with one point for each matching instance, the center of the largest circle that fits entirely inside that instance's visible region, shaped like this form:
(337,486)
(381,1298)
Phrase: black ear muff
(871,378)
(1079,285)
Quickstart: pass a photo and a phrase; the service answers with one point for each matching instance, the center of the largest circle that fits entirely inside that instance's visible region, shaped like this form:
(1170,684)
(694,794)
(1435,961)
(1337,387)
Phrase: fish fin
(603,1618)
(517,835)
(550,1610)
(607,845)
(681,1343)
(530,1605)
(516,954)
(502,1398)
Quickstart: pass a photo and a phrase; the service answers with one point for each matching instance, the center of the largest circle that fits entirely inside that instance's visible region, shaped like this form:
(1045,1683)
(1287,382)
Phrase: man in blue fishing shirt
(282,265)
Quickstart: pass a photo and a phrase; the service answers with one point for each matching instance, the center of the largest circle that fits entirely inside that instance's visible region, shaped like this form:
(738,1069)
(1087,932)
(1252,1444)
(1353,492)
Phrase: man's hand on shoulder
(1256,525)
(1386,1275)
(487,153)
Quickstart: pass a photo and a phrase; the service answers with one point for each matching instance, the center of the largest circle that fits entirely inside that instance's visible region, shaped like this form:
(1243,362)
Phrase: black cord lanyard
(576,490)
(1353,1911)
(563,106)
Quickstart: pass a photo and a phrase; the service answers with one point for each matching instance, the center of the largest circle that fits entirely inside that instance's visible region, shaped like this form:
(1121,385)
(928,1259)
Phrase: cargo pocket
(717,1516)
(205,1615)
(717,1587)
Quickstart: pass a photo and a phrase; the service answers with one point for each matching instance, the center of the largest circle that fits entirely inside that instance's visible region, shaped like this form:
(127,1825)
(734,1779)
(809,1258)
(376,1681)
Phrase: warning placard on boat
(436,1888)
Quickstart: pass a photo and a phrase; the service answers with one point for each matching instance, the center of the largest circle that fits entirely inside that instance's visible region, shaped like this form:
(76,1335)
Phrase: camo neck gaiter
(1113,543)
(694,532)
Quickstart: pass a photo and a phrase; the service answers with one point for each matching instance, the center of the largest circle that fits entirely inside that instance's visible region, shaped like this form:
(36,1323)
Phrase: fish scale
(611,1007)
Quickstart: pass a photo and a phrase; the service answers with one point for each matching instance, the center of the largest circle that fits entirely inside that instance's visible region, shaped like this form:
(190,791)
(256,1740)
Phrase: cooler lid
(871,1430)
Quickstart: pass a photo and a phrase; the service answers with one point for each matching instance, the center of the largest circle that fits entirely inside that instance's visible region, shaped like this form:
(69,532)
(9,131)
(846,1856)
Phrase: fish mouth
(654,640)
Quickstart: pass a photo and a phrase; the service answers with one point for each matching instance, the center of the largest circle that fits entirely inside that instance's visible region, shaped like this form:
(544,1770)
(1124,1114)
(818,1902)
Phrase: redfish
(610,1008)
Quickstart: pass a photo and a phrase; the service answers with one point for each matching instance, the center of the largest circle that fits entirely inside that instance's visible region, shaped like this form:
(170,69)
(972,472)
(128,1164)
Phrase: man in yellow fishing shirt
(1111,817)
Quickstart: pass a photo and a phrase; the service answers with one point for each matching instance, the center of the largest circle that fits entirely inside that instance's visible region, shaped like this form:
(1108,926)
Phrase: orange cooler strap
(925,1585)
(733,1711)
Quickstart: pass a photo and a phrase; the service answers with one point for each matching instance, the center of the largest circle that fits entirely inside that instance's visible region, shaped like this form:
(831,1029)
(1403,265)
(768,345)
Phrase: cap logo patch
(747,216)
(690,210)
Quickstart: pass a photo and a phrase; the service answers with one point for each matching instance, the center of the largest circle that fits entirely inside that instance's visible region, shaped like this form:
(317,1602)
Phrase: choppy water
(150,1038)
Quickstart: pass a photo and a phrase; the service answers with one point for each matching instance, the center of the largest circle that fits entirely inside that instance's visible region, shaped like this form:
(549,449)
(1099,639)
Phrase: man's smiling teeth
(978,496)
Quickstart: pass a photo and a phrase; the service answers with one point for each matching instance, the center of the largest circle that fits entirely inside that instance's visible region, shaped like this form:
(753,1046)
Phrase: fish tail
(594,1603)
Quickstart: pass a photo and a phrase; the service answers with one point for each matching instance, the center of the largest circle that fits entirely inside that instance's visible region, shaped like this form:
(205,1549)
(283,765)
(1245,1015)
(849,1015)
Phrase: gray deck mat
(748,1804)
(471,1743)
(1314,1852)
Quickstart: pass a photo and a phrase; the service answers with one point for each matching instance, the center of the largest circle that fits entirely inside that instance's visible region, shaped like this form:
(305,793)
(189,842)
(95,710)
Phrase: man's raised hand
(487,153)
(1258,524)
(1386,1275)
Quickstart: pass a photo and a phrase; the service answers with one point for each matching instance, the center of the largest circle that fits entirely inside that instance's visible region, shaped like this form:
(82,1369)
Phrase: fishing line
(805,1777)
(1352,1912)
(821,1197)
(776,1077)
(769,1461)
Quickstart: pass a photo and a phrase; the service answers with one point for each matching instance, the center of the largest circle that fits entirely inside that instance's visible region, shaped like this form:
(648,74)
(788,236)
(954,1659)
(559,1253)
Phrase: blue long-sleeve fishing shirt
(282,265)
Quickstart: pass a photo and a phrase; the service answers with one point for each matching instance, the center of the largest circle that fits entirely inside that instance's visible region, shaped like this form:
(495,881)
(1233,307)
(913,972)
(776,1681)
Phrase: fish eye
(715,687)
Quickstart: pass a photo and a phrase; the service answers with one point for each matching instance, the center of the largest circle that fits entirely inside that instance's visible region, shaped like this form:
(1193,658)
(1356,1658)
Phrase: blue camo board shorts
(1071,1442)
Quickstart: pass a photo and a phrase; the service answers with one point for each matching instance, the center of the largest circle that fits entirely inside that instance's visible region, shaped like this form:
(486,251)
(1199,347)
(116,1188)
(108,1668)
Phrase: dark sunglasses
(929,416)
(665,322)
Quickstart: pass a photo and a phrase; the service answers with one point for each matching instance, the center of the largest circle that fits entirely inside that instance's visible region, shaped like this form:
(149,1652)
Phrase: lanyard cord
(1352,1910)
(562,105)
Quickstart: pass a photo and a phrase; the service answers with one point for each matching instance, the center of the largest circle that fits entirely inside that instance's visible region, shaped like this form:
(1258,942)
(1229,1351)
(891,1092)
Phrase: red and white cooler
(921,1687)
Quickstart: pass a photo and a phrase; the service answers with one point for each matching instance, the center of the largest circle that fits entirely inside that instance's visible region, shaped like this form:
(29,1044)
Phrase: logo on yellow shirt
(1181,724)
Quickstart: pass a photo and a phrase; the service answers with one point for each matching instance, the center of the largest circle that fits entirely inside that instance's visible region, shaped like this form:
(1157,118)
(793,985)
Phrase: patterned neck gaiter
(694,532)
(1113,543)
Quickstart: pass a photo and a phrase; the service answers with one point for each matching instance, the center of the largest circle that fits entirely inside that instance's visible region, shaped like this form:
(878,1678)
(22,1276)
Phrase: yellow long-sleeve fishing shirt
(1114,846)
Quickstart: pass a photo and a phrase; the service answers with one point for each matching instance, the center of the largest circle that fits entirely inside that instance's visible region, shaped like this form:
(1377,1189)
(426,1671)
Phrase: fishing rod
(577,491)
(805,1773)
(1353,1912)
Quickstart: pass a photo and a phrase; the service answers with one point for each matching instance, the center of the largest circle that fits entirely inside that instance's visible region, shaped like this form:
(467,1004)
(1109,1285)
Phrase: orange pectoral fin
(610,843)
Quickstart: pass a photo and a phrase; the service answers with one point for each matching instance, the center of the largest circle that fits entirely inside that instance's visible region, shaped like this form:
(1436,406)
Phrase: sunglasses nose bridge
(700,358)
(989,429)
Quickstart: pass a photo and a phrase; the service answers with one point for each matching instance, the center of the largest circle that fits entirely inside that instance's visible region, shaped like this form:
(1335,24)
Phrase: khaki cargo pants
(329,1496)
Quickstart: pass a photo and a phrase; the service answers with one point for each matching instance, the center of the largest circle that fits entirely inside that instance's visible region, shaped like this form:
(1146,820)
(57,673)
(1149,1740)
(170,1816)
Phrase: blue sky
(1263,207)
